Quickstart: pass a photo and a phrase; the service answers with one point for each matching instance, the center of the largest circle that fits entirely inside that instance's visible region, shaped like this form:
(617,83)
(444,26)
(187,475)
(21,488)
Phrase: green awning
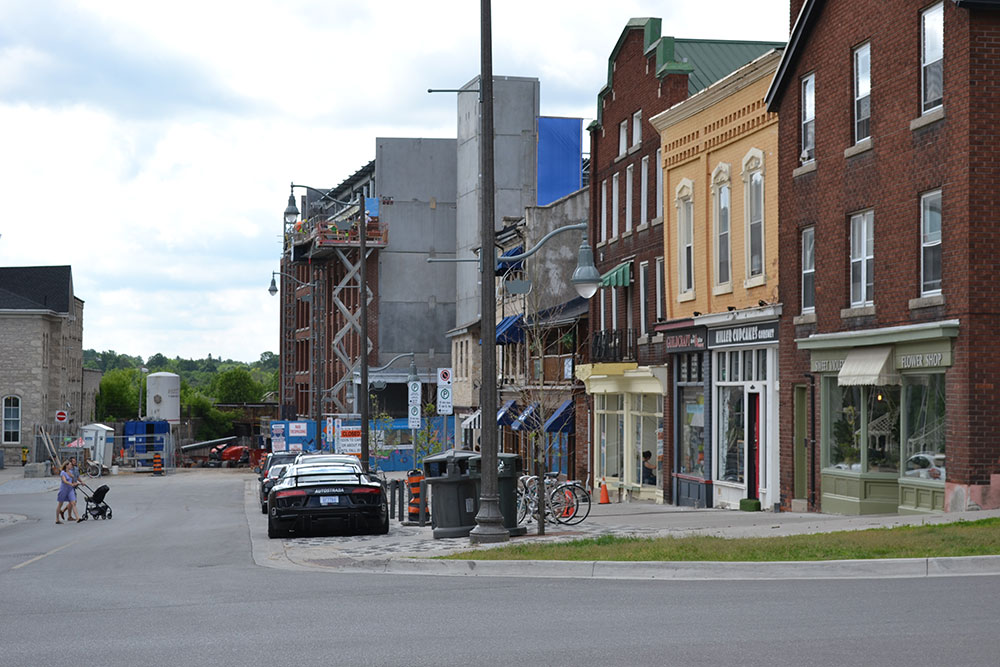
(620,276)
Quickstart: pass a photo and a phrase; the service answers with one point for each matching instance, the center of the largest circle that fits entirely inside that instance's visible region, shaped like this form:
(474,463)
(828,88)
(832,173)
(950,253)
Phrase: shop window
(11,420)
(646,412)
(882,419)
(732,443)
(864,427)
(924,438)
(692,435)
(610,433)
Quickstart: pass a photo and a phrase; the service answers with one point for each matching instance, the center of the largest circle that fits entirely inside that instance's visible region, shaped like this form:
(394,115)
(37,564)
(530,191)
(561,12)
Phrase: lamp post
(291,213)
(273,290)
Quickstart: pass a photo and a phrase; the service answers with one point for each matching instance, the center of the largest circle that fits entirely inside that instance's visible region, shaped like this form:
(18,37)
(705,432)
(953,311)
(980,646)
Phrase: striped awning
(509,330)
(527,421)
(620,276)
(511,266)
(562,419)
(507,414)
(868,366)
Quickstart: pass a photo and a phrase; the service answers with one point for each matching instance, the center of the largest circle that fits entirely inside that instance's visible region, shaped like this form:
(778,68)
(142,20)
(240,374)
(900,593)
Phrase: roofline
(806,15)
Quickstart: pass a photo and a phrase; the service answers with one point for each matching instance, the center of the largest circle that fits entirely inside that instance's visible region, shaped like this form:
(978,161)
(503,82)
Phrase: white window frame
(644,191)
(808,121)
(629,208)
(930,240)
(753,166)
(931,59)
(659,183)
(604,318)
(637,128)
(808,267)
(659,289)
(643,292)
(684,202)
(862,58)
(614,309)
(604,210)
(721,185)
(862,257)
(614,206)
(623,137)
(4,418)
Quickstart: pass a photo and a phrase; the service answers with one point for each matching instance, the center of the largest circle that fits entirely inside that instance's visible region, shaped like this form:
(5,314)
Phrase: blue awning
(562,419)
(509,331)
(507,414)
(503,267)
(528,421)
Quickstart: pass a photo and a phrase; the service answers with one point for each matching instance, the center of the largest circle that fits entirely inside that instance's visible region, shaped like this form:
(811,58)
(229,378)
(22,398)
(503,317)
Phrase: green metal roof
(705,60)
(715,59)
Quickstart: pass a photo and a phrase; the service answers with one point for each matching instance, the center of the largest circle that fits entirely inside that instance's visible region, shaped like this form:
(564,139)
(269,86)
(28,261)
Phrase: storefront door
(755,457)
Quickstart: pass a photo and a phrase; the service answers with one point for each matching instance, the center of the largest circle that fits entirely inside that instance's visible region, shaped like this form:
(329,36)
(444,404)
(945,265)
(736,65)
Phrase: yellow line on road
(37,558)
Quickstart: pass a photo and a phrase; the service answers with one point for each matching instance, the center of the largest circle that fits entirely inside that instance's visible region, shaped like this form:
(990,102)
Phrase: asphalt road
(171,581)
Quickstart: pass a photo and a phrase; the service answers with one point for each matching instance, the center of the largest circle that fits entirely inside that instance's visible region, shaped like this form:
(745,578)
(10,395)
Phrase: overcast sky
(150,144)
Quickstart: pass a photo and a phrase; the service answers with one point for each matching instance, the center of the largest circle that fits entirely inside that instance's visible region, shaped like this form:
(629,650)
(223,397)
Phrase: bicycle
(566,502)
(94,469)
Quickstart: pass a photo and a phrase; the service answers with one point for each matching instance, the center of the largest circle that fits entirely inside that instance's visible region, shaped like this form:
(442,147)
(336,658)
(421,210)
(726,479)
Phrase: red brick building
(888,158)
(628,378)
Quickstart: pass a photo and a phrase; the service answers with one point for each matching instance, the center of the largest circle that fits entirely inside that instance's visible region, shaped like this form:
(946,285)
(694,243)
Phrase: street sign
(444,377)
(328,431)
(414,417)
(444,404)
(61,416)
(413,392)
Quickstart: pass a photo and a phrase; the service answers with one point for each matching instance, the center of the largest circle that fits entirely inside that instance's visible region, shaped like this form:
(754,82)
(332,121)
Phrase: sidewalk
(411,549)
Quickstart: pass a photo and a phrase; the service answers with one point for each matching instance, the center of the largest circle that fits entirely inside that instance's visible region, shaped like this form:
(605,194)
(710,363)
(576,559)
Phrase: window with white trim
(809,270)
(629,180)
(862,92)
(604,308)
(614,206)
(863,258)
(614,308)
(808,139)
(623,138)
(930,243)
(932,57)
(685,236)
(659,289)
(604,210)
(659,183)
(637,128)
(644,191)
(753,185)
(11,420)
(721,208)
(643,293)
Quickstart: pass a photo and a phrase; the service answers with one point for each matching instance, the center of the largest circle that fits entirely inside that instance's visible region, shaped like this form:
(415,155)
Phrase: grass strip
(962,538)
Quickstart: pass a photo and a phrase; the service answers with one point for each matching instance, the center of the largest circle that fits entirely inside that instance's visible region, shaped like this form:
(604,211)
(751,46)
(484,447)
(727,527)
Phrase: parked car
(313,458)
(274,458)
(273,475)
(926,465)
(334,494)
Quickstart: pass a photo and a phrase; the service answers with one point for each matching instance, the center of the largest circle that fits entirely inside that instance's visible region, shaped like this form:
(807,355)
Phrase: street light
(290,215)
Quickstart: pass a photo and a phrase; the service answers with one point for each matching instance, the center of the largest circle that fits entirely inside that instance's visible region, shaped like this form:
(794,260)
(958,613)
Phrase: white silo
(163,397)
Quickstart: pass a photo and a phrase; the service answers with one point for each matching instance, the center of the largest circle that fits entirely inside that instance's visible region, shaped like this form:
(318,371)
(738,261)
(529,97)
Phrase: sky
(150,144)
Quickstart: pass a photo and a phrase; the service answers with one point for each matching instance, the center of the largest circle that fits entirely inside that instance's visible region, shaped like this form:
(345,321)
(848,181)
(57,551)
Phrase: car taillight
(287,494)
(366,489)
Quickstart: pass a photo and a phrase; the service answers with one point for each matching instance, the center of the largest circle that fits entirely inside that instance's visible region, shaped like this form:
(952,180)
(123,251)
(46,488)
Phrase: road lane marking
(38,558)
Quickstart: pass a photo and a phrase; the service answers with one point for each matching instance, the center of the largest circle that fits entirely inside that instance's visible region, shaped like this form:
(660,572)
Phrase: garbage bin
(454,494)
(509,469)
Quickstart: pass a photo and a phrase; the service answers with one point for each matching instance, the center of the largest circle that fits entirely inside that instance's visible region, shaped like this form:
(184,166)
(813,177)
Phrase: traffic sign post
(444,399)
(62,416)
(413,417)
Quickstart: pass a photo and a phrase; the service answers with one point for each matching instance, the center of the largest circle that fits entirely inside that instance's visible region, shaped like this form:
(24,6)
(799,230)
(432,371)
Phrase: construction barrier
(414,480)
(157,464)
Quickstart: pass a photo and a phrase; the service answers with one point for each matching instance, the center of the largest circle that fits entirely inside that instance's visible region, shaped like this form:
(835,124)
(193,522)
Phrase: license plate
(329,500)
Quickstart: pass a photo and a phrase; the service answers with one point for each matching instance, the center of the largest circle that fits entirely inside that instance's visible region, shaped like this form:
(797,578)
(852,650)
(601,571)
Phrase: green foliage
(236,385)
(212,423)
(429,439)
(118,395)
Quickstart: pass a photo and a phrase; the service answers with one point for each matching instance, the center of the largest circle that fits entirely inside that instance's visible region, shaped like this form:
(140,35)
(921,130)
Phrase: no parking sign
(444,401)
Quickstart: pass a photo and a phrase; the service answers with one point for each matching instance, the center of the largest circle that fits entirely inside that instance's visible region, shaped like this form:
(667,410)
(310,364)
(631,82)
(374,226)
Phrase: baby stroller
(95,507)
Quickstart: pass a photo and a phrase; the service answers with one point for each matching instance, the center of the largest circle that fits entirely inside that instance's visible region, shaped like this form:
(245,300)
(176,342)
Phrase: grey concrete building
(41,355)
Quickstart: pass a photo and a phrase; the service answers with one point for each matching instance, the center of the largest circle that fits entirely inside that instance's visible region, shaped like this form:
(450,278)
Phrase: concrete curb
(897,568)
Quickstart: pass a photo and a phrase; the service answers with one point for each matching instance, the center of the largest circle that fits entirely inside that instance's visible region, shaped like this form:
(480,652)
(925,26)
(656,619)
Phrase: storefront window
(883,428)
(732,444)
(924,447)
(610,424)
(692,449)
(646,415)
(845,426)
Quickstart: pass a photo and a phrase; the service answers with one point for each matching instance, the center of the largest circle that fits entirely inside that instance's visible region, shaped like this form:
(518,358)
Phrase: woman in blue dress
(67,494)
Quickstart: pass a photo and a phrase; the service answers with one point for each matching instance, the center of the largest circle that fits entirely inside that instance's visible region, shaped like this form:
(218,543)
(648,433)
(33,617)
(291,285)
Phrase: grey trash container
(509,469)
(454,495)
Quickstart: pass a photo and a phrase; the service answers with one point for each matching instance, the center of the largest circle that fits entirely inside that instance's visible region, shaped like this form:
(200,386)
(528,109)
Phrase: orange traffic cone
(604,494)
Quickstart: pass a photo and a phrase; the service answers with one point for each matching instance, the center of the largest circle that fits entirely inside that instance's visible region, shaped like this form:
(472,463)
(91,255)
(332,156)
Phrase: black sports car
(341,496)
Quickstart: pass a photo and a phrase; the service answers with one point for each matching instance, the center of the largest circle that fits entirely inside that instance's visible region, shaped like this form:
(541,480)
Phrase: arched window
(11,420)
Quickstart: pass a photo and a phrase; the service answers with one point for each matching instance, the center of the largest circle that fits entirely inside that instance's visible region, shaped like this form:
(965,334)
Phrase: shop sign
(748,334)
(684,340)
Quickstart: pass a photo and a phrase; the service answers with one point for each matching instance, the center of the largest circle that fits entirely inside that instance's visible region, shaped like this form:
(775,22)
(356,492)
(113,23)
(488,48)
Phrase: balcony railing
(613,345)
(326,234)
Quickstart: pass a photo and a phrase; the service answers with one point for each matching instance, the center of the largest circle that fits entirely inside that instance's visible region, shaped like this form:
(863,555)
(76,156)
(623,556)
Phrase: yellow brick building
(720,189)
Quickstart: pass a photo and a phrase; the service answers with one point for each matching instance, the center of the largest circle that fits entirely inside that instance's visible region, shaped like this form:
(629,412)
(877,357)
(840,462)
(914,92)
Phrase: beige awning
(868,366)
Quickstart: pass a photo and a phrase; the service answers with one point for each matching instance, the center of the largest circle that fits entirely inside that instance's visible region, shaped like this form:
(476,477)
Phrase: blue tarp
(562,419)
(560,158)
(503,267)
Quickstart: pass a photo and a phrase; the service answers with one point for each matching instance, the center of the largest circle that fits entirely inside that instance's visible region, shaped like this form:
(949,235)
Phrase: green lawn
(963,538)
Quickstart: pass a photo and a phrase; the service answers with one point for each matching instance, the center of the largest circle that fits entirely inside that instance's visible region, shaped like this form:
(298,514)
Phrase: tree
(236,385)
(118,396)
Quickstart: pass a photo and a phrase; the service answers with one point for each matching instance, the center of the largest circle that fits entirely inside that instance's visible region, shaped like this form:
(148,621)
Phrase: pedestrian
(67,494)
(74,469)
